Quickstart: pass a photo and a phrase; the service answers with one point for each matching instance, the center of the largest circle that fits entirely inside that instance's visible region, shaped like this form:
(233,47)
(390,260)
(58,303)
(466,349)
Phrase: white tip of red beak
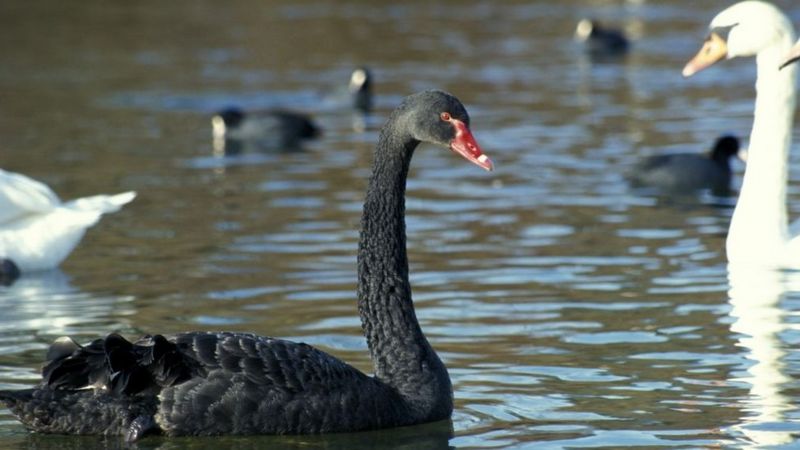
(485,162)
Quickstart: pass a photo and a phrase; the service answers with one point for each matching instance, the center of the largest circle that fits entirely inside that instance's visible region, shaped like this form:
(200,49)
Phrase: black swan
(689,172)
(205,383)
(601,41)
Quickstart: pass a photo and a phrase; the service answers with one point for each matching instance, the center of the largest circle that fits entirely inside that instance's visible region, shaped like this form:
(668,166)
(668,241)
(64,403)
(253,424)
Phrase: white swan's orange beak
(464,144)
(713,49)
(792,56)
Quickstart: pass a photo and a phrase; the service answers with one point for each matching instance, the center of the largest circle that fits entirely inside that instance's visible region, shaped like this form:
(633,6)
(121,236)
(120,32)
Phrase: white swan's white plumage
(759,231)
(37,230)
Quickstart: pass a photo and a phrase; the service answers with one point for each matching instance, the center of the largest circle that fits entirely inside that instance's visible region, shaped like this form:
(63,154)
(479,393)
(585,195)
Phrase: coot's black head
(599,40)
(226,119)
(439,118)
(726,147)
(361,88)
(232,117)
(361,79)
(585,29)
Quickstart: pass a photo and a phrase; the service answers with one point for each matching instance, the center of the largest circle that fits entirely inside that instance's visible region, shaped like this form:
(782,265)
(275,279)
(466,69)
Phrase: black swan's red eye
(445,116)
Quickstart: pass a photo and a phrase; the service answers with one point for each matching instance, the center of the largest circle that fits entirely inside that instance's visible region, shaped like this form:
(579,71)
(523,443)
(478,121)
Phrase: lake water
(571,311)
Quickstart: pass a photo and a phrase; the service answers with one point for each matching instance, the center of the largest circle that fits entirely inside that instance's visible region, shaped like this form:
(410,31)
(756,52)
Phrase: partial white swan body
(37,230)
(759,230)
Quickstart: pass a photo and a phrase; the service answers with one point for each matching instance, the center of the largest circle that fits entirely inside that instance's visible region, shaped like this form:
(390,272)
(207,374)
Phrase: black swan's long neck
(402,356)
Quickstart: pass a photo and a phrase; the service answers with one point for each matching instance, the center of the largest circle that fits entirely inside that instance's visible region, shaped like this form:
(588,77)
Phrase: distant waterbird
(599,40)
(689,172)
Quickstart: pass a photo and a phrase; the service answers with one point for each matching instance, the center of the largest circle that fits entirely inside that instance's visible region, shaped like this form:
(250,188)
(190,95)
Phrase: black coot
(688,172)
(600,41)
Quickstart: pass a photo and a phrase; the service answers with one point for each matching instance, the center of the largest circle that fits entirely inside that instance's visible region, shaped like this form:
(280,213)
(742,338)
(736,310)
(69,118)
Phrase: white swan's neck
(759,228)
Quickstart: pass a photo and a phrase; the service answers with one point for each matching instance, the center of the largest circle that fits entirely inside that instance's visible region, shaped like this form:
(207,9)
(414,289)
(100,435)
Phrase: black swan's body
(689,172)
(203,383)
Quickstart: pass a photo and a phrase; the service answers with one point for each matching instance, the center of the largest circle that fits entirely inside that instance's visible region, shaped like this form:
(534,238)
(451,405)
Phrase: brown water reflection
(570,311)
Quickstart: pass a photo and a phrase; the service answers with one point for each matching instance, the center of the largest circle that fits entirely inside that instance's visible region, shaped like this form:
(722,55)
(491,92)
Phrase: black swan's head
(439,118)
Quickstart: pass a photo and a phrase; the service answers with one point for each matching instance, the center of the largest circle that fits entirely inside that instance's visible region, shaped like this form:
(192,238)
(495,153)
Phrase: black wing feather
(119,366)
(205,384)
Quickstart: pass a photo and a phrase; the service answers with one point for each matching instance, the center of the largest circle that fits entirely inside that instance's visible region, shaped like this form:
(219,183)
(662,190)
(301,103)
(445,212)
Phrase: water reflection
(43,305)
(432,436)
(757,309)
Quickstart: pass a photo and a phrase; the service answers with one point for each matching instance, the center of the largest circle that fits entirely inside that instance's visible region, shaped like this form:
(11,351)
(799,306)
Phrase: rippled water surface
(571,311)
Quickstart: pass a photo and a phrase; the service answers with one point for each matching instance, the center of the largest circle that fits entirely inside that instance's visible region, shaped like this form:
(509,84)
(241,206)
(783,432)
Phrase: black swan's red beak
(464,144)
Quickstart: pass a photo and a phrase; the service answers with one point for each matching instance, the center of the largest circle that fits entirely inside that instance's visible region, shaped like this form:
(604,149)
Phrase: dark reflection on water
(432,436)
(570,310)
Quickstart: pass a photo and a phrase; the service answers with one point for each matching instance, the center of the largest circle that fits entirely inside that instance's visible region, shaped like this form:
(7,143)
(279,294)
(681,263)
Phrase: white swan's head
(744,29)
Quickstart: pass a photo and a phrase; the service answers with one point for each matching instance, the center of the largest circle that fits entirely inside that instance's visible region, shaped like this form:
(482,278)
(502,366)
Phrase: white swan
(759,232)
(37,230)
